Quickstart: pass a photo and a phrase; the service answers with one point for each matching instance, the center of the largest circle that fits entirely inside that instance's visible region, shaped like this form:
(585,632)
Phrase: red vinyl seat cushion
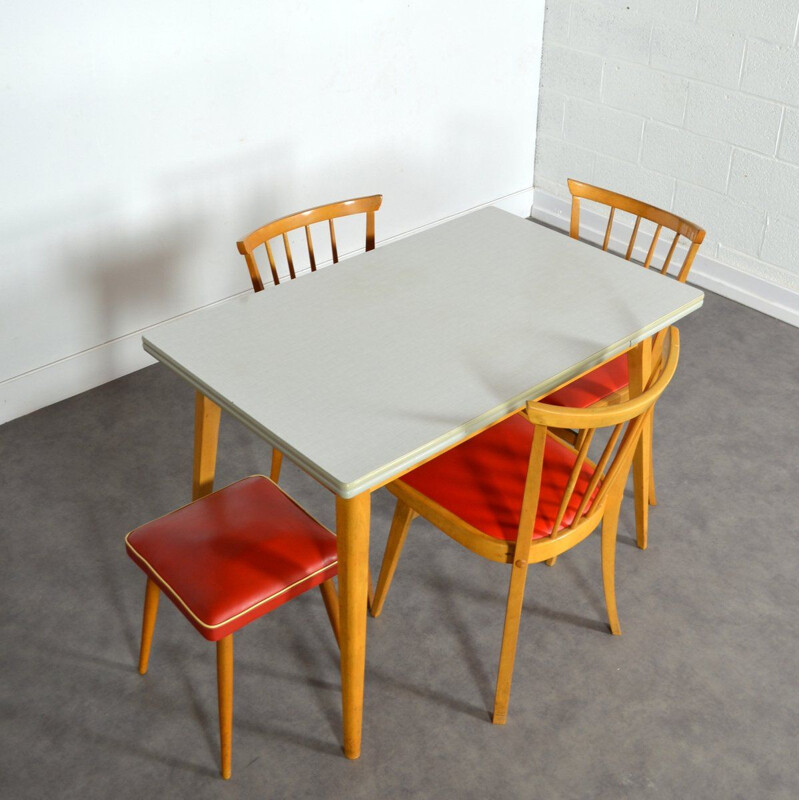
(482,481)
(234,555)
(595,385)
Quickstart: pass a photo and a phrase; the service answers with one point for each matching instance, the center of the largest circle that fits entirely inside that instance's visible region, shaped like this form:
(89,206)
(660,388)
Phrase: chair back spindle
(288,251)
(652,249)
(669,254)
(569,491)
(334,251)
(272,267)
(599,470)
(370,230)
(632,242)
(608,229)
(311,260)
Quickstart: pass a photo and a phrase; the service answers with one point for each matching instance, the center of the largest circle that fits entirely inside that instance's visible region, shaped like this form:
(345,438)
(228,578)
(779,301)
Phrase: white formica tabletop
(364,369)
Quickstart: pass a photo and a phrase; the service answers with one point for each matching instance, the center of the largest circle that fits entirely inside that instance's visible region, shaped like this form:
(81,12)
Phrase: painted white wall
(691,105)
(141,139)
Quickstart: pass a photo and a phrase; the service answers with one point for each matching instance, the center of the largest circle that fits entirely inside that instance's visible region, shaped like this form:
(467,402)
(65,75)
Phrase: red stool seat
(234,555)
(594,386)
(482,481)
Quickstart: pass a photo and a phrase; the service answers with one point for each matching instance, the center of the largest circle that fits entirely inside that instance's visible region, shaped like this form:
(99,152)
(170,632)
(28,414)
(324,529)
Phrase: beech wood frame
(638,362)
(610,474)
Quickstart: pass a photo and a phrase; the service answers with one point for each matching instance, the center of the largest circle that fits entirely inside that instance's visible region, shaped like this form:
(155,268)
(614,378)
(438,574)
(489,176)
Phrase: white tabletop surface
(361,370)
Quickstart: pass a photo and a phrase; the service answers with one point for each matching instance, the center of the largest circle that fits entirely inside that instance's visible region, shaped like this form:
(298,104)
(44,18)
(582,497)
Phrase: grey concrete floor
(697,698)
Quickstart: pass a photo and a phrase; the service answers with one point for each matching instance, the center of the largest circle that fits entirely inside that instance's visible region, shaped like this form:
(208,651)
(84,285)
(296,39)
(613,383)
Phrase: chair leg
(275,469)
(331,600)
(639,365)
(608,548)
(551,562)
(394,546)
(370,589)
(151,595)
(516,594)
(652,499)
(225,696)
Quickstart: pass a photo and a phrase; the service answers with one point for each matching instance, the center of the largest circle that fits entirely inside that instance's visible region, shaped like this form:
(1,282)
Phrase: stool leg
(225,692)
(331,599)
(151,595)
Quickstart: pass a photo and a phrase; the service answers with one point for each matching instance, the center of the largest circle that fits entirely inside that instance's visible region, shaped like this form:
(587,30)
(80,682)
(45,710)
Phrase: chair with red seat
(608,383)
(227,559)
(293,222)
(518,494)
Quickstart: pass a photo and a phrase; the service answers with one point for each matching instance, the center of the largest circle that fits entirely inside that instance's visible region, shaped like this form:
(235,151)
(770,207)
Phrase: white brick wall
(691,105)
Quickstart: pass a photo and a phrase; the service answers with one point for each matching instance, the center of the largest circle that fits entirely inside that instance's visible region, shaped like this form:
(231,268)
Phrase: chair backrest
(611,470)
(303,219)
(663,219)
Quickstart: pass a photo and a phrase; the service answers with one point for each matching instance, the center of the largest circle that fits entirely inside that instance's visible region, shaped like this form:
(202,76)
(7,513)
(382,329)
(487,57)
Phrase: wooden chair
(303,219)
(518,494)
(608,383)
(227,559)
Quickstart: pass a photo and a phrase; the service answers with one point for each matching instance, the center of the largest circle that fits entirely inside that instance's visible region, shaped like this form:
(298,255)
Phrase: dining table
(360,373)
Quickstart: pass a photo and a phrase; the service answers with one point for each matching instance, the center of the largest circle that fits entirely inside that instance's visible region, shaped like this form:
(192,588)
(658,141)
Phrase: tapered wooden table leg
(206,433)
(352,531)
(639,367)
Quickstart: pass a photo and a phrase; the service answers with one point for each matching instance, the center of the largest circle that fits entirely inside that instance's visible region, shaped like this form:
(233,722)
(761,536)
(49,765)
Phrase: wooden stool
(228,559)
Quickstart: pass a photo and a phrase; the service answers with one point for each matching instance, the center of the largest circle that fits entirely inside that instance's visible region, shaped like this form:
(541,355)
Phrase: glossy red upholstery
(483,480)
(594,386)
(234,555)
